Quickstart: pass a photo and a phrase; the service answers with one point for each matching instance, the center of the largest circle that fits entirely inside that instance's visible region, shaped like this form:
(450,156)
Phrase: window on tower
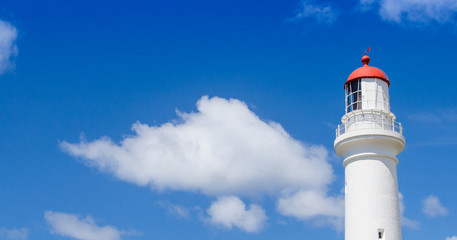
(353,96)
(381,233)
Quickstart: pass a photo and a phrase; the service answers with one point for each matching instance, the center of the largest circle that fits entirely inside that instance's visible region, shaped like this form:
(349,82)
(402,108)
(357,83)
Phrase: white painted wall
(375,94)
(371,188)
(371,201)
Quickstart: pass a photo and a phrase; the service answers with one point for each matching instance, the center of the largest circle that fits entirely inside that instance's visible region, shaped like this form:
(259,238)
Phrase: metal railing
(369,121)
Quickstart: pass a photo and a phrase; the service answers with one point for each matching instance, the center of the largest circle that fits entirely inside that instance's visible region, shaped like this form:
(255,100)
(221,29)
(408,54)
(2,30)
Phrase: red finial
(365,60)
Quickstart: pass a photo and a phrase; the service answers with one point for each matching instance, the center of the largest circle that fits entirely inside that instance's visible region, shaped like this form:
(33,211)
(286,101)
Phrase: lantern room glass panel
(353,96)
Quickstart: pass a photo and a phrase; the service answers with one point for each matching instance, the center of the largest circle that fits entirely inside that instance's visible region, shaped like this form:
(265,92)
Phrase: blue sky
(214,119)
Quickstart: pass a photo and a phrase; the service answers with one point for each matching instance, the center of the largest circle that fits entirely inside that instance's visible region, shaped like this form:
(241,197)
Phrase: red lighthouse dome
(367,72)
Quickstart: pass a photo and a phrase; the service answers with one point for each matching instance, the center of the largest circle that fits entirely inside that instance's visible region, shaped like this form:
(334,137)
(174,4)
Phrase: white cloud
(404,220)
(231,211)
(8,48)
(321,13)
(223,149)
(14,234)
(418,11)
(74,226)
(306,205)
(432,207)
(452,238)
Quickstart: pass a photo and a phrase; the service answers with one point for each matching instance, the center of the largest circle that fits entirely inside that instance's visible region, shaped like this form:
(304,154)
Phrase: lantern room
(367,88)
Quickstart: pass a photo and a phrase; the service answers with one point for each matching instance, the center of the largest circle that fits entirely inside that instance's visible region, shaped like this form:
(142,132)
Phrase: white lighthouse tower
(369,139)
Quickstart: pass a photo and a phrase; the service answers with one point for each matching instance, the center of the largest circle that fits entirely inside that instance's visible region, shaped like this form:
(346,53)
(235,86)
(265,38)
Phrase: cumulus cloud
(306,205)
(74,226)
(8,48)
(404,220)
(418,11)
(14,234)
(223,149)
(432,207)
(231,211)
(452,238)
(320,13)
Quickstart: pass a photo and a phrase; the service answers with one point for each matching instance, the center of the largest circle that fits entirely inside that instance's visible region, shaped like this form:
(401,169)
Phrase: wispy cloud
(444,118)
(312,11)
(14,233)
(8,48)
(440,141)
(229,212)
(404,220)
(452,238)
(330,124)
(425,117)
(414,11)
(223,149)
(175,210)
(439,115)
(432,207)
(74,226)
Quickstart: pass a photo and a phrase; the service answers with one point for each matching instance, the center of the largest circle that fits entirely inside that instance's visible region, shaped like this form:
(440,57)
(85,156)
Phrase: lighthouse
(369,139)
